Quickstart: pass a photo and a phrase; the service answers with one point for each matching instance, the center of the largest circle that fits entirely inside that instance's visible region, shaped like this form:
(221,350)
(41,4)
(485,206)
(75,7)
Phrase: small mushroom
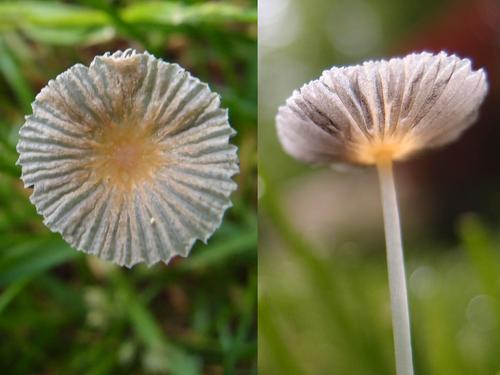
(129,158)
(377,113)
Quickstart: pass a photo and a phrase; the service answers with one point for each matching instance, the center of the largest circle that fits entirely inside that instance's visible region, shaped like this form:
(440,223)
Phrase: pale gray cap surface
(396,107)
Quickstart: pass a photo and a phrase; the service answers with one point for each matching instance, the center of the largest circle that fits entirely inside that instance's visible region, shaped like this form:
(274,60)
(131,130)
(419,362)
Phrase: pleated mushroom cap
(129,159)
(390,109)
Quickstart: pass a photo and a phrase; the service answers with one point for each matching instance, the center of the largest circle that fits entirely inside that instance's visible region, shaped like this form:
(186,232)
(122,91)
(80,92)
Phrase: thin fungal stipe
(395,268)
(376,114)
(129,158)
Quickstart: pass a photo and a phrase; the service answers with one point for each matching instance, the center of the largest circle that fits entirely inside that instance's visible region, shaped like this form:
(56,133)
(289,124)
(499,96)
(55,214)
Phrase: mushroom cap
(129,159)
(381,109)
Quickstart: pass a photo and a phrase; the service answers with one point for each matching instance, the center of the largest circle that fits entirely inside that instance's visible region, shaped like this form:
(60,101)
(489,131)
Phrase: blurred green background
(323,294)
(62,312)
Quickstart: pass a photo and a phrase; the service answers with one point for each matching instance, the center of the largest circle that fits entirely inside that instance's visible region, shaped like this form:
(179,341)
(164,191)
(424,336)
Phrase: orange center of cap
(393,147)
(125,156)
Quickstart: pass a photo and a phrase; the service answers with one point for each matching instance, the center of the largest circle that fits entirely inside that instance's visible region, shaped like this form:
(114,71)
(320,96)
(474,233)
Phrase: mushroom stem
(396,269)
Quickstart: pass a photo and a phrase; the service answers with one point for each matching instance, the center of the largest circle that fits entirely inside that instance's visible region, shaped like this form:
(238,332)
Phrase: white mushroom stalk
(377,113)
(129,159)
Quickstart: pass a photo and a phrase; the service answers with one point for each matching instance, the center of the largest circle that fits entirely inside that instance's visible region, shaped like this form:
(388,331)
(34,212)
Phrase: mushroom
(375,114)
(129,158)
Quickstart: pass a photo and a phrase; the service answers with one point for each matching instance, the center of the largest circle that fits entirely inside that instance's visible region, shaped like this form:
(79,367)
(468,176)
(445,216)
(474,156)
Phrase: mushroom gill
(129,158)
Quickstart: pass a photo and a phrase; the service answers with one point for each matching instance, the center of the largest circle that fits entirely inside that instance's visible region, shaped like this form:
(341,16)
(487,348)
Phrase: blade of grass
(11,291)
(171,13)
(324,278)
(5,140)
(233,352)
(69,36)
(123,26)
(283,359)
(149,332)
(14,77)
(50,14)
(9,167)
(33,258)
(482,253)
(443,336)
(484,257)
(217,253)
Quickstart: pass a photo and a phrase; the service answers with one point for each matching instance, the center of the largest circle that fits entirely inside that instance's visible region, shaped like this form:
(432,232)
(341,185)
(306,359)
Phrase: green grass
(67,313)
(331,315)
